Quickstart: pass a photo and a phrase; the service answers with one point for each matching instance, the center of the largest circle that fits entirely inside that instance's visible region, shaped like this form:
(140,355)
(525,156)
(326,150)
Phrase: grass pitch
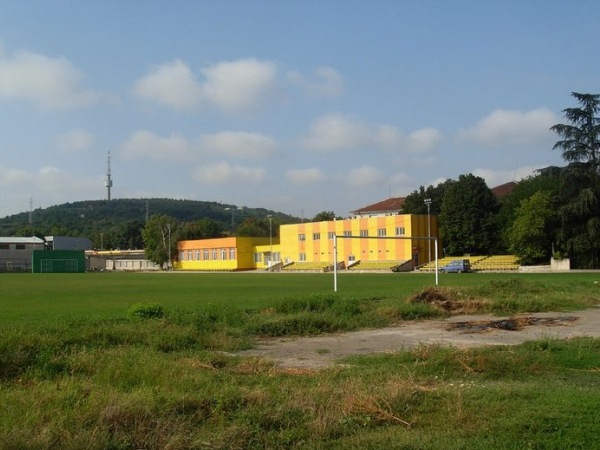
(131,361)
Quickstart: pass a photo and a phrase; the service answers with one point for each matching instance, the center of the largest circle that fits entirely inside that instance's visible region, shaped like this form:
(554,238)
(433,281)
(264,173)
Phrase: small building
(226,254)
(16,252)
(392,206)
(68,243)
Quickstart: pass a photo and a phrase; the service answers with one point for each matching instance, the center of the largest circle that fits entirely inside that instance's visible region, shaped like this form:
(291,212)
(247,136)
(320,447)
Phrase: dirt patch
(460,331)
(448,301)
(510,324)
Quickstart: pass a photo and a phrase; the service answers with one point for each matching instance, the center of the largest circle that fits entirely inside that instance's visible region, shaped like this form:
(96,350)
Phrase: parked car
(457,266)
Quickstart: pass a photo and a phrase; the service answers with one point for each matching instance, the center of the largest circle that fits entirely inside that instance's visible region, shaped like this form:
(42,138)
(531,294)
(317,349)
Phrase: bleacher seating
(308,266)
(375,265)
(497,263)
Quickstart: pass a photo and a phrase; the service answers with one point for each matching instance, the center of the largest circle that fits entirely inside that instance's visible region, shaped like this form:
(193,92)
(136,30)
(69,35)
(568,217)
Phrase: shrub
(146,311)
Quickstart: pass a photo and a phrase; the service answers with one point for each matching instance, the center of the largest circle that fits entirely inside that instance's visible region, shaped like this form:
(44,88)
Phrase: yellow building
(228,253)
(401,240)
(356,244)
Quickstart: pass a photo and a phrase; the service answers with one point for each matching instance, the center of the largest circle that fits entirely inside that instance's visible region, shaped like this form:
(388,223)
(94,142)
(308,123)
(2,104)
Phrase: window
(197,255)
(257,257)
(301,237)
(205,255)
(400,231)
(223,254)
(381,232)
(232,253)
(351,258)
(181,255)
(331,235)
(347,233)
(316,236)
(20,247)
(189,255)
(213,255)
(364,233)
(302,257)
(4,247)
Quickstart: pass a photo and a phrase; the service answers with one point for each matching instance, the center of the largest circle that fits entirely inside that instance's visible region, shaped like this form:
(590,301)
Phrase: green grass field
(143,361)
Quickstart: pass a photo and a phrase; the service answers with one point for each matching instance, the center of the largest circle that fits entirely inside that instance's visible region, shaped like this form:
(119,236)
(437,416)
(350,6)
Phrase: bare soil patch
(462,331)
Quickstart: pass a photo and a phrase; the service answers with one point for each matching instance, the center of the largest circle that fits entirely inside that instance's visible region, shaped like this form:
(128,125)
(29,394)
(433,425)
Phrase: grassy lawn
(132,361)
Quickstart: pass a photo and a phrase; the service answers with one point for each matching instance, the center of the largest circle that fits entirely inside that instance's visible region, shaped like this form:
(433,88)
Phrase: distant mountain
(100,217)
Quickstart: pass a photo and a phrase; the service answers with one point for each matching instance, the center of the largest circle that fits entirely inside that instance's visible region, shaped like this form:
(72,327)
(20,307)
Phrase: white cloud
(145,144)
(51,83)
(239,86)
(364,176)
(495,178)
(75,141)
(171,84)
(223,173)
(233,87)
(327,82)
(303,177)
(48,180)
(505,127)
(336,132)
(238,144)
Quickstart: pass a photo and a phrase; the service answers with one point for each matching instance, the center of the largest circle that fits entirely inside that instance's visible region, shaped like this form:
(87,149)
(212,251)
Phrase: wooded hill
(118,222)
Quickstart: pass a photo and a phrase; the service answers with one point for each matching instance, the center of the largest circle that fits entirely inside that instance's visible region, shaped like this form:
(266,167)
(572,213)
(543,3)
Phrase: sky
(298,106)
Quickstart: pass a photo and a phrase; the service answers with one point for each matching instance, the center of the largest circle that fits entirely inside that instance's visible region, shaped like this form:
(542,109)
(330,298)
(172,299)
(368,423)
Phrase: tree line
(554,212)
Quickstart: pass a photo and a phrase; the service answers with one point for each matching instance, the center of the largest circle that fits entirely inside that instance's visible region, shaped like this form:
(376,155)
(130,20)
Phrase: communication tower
(108,182)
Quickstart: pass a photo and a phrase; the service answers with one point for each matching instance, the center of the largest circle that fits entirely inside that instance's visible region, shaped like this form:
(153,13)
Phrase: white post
(334,263)
(270,217)
(436,263)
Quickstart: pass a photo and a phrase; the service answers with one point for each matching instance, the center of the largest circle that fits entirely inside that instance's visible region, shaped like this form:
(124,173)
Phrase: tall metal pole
(270,217)
(428,203)
(169,249)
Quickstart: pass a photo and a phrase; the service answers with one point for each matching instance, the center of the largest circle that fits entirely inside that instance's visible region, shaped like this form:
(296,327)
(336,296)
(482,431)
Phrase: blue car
(457,266)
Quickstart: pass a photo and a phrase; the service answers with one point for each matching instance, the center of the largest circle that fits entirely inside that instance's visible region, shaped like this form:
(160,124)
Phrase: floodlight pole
(270,217)
(335,263)
(428,203)
(169,249)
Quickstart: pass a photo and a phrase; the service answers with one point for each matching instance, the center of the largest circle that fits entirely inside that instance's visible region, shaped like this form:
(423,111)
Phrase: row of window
(221,254)
(16,247)
(381,232)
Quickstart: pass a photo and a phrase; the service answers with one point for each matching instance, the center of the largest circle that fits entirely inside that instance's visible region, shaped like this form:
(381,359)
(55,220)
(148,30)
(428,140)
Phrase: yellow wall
(317,245)
(192,254)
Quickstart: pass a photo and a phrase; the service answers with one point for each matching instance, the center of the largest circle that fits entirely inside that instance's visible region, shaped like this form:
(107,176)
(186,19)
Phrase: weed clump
(146,311)
(449,301)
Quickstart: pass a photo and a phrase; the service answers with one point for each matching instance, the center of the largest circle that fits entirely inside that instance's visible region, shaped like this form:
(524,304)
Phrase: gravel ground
(460,331)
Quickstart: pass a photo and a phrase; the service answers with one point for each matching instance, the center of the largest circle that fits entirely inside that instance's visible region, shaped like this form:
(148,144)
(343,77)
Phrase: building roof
(391,205)
(20,240)
(504,189)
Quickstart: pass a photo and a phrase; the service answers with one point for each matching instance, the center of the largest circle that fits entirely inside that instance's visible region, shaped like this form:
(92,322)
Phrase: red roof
(393,204)
(504,189)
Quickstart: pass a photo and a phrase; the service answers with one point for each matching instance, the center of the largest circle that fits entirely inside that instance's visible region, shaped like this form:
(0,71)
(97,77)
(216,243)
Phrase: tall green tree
(201,229)
(468,217)
(415,201)
(548,180)
(580,180)
(531,234)
(160,238)
(324,216)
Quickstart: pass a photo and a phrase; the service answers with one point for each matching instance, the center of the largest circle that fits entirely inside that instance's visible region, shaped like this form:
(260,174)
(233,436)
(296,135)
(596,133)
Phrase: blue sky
(296,106)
